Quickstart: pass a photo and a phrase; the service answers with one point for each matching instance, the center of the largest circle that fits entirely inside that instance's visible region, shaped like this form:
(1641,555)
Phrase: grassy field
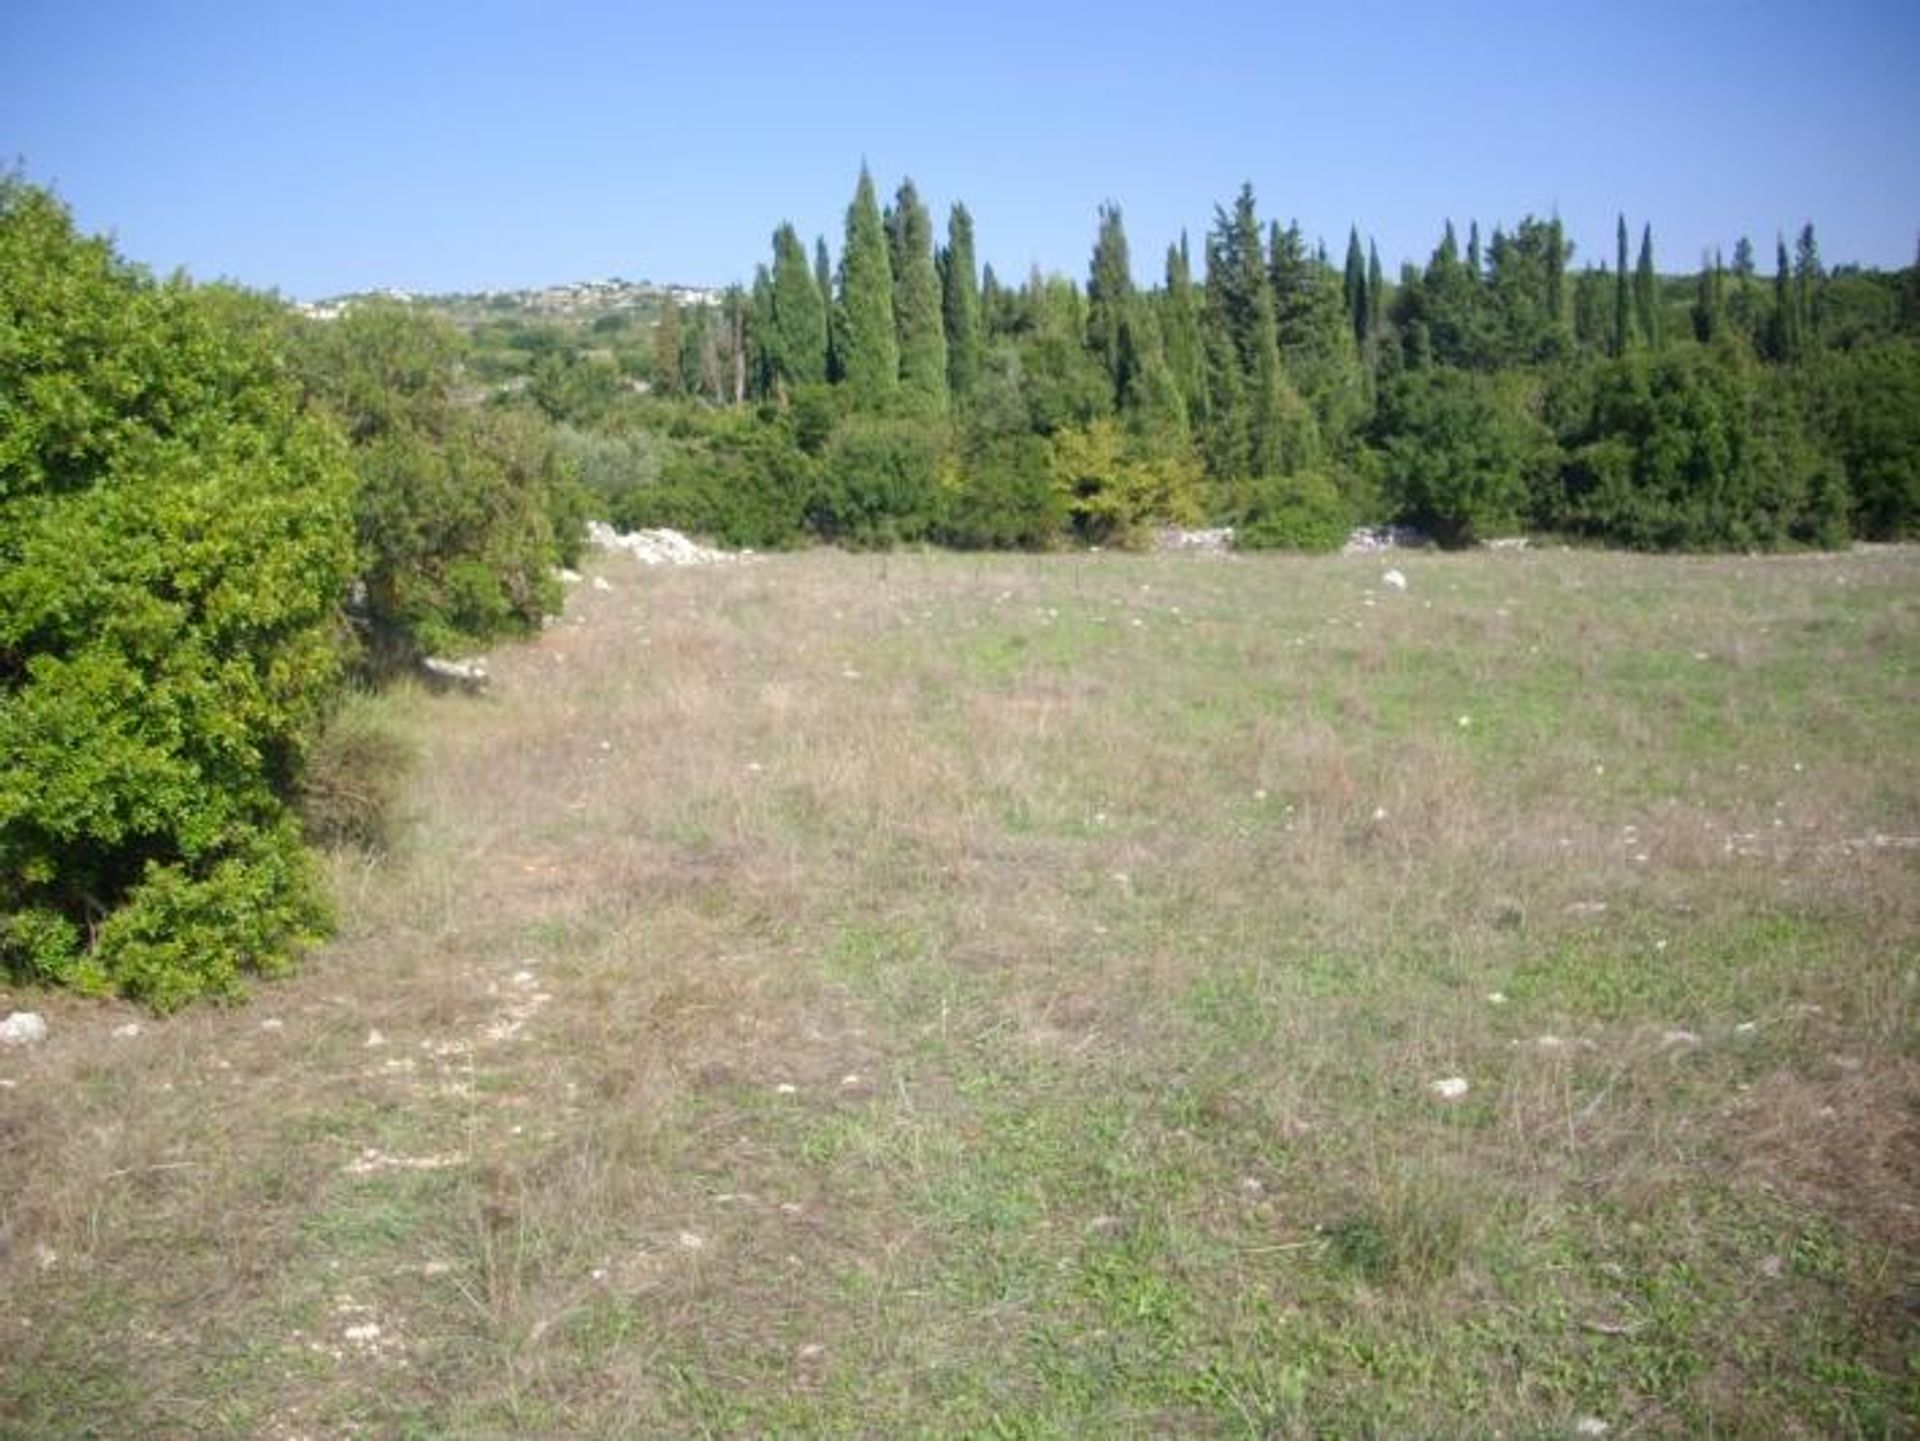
(930,995)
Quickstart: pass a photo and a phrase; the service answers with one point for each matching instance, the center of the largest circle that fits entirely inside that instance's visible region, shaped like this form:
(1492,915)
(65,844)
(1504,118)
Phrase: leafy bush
(1004,498)
(880,483)
(1114,494)
(1867,406)
(462,513)
(729,478)
(1692,449)
(175,539)
(1455,448)
(1297,512)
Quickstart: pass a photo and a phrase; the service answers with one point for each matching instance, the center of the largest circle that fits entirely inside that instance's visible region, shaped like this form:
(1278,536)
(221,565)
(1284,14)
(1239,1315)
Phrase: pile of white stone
(1368,539)
(1217,541)
(656,547)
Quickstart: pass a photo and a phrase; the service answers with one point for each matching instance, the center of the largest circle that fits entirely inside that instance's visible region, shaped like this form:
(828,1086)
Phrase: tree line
(906,393)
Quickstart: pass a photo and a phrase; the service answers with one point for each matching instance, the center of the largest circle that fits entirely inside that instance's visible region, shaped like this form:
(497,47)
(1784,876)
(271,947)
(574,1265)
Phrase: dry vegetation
(934,995)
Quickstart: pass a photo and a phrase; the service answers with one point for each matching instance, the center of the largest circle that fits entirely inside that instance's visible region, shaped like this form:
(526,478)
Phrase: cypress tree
(1622,313)
(1376,291)
(1180,332)
(1806,283)
(866,350)
(916,302)
(762,376)
(1787,336)
(993,302)
(1557,251)
(1590,289)
(823,280)
(796,343)
(1254,416)
(1646,291)
(1109,298)
(1355,286)
(960,303)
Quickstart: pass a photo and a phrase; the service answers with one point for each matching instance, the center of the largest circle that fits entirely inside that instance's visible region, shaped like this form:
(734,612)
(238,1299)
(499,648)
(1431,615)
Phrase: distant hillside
(580,301)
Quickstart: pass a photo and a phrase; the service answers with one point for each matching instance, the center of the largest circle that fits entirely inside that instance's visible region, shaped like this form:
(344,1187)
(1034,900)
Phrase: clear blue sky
(319,148)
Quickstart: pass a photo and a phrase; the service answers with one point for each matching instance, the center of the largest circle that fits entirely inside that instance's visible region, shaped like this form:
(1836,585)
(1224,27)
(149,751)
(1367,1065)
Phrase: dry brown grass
(866,994)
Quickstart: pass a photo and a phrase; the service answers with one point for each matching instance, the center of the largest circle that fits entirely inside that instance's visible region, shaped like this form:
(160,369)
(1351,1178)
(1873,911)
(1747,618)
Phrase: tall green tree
(1354,286)
(1808,284)
(1256,423)
(796,339)
(1787,335)
(1179,305)
(865,344)
(917,303)
(1622,306)
(1376,292)
(1646,291)
(1110,298)
(960,304)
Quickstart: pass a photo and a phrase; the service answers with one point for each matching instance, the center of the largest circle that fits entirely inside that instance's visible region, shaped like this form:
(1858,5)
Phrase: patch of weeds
(1416,1228)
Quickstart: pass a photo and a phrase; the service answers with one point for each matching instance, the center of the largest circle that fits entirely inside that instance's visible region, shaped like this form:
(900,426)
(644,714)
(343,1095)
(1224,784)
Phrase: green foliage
(866,351)
(881,483)
(796,339)
(1867,407)
(462,513)
(1256,424)
(175,538)
(917,304)
(960,304)
(1691,449)
(732,478)
(191,929)
(1113,493)
(1005,497)
(1455,449)
(1304,512)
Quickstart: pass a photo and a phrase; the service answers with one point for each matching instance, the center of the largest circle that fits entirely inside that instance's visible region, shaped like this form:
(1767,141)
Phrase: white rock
(1394,579)
(23,1028)
(655,547)
(600,582)
(1449,1088)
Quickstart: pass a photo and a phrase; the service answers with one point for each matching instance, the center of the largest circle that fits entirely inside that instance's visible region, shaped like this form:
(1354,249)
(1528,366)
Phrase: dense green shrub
(1692,449)
(175,540)
(880,483)
(1004,498)
(1455,452)
(1114,491)
(1297,512)
(1866,404)
(729,477)
(463,512)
